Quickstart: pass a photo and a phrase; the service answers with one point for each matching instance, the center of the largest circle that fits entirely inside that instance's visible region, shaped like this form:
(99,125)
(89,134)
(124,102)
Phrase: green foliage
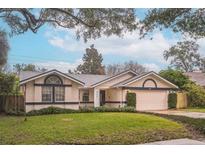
(51,110)
(112,109)
(28,67)
(56,110)
(92,62)
(172,100)
(196,95)
(184,20)
(184,56)
(131,99)
(9,84)
(175,76)
(89,23)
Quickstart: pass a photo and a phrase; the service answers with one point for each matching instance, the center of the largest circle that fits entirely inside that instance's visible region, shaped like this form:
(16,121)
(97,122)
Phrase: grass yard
(88,128)
(194,110)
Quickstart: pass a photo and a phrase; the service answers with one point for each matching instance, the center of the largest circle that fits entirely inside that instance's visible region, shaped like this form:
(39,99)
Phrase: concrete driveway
(181,113)
(183,141)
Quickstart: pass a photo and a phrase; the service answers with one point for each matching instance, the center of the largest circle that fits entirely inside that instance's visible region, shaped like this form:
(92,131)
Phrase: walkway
(183,141)
(181,113)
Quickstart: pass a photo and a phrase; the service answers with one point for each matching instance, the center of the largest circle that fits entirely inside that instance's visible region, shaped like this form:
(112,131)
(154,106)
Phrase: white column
(96,97)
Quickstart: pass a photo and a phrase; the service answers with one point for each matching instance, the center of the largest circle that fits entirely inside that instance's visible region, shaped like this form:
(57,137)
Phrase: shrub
(131,99)
(56,110)
(175,76)
(196,95)
(51,110)
(128,109)
(9,84)
(86,109)
(172,100)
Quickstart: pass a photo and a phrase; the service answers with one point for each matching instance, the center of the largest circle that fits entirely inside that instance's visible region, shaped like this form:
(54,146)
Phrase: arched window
(149,83)
(53,91)
(53,79)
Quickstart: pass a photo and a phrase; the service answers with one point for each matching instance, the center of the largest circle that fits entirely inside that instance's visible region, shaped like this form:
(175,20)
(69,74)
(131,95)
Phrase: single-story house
(54,88)
(198,77)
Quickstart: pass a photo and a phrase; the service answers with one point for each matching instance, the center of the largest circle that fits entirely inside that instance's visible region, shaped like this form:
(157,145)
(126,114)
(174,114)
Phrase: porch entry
(102,97)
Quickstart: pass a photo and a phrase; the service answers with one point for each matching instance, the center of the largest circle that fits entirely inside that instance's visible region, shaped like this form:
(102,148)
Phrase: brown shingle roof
(88,79)
(197,77)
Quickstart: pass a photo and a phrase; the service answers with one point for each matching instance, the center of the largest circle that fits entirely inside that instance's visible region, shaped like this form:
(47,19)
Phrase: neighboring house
(197,77)
(54,88)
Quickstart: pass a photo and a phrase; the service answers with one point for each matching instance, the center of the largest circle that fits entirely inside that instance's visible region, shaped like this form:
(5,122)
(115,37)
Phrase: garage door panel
(151,100)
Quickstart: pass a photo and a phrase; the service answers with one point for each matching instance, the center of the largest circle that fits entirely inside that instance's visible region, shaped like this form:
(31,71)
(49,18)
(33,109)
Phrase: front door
(102,97)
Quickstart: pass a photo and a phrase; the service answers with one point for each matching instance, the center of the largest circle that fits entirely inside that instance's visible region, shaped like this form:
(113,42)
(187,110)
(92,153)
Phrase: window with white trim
(85,96)
(53,91)
(47,93)
(59,94)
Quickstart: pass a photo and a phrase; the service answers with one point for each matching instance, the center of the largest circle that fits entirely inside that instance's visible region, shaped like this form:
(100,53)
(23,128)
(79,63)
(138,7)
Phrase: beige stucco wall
(30,91)
(160,82)
(115,81)
(114,94)
(91,94)
(86,105)
(33,93)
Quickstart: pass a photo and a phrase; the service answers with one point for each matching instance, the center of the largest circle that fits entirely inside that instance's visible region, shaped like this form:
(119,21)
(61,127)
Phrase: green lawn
(88,128)
(194,110)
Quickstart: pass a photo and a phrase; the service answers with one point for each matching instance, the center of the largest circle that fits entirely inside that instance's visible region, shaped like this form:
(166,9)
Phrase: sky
(57,48)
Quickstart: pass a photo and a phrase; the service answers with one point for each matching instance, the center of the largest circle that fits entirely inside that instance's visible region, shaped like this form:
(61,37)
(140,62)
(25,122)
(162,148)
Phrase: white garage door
(151,100)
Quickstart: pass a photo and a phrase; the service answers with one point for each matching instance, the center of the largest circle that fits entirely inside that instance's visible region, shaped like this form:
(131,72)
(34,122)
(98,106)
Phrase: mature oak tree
(184,56)
(88,23)
(184,20)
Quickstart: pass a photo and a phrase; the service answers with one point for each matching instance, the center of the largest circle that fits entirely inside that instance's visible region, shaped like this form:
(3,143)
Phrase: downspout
(25,97)
(121,97)
(79,98)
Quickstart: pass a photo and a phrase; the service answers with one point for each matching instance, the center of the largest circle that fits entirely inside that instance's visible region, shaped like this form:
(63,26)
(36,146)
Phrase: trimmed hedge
(56,110)
(131,99)
(172,100)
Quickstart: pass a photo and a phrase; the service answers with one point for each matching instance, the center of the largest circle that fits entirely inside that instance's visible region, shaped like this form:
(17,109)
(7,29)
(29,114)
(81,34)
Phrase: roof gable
(137,78)
(38,75)
(114,77)
(197,77)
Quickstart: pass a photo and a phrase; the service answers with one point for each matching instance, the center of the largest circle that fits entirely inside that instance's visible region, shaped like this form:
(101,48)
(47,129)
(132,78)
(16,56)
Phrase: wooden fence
(181,100)
(12,104)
